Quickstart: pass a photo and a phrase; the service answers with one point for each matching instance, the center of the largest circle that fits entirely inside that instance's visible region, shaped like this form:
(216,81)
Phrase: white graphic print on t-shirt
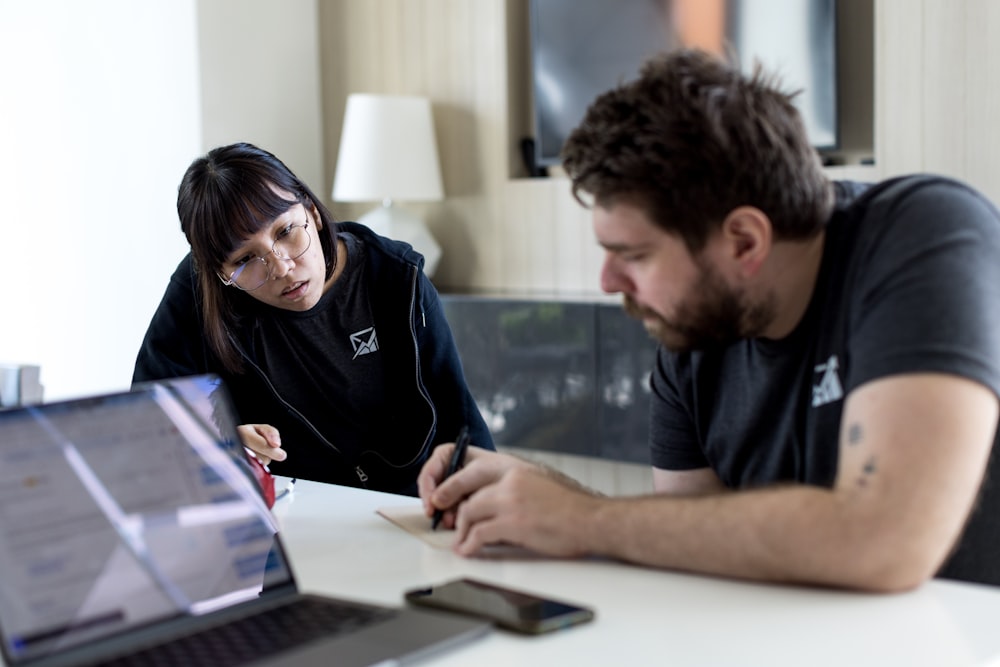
(829,388)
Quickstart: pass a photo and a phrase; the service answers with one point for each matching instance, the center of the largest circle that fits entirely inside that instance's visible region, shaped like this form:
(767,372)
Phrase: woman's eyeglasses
(292,243)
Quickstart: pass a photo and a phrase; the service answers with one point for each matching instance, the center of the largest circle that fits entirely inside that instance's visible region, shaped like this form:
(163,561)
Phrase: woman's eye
(242,260)
(286,231)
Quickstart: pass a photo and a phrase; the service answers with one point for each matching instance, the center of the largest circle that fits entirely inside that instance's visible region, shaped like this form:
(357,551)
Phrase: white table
(340,546)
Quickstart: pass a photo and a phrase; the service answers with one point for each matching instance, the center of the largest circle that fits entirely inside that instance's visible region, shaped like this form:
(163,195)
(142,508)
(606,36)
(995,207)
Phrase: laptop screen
(121,510)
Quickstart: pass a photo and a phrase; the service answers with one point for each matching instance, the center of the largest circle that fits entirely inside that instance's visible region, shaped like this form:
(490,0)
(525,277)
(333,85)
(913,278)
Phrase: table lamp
(388,153)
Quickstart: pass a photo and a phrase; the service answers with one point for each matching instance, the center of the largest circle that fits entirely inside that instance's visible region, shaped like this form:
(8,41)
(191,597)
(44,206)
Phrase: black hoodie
(427,399)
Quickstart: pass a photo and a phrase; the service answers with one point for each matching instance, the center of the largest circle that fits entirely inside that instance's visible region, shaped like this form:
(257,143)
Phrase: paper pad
(412,519)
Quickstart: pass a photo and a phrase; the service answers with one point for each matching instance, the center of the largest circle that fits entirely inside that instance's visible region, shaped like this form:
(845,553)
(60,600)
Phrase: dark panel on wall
(566,377)
(625,358)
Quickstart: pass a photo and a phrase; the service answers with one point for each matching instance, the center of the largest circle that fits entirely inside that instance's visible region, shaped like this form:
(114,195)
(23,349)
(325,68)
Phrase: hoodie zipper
(419,381)
(288,406)
(416,360)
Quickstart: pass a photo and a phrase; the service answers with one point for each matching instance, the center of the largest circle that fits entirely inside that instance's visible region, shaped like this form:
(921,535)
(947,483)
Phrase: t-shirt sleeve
(673,440)
(929,298)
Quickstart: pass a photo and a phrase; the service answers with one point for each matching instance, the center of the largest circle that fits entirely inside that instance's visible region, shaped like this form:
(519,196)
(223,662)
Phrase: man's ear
(748,235)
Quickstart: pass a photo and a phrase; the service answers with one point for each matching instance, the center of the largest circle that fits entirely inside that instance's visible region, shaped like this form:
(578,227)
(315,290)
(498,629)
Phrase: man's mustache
(633,309)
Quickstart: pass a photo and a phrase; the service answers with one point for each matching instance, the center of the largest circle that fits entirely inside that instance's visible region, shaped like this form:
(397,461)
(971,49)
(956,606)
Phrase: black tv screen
(581,48)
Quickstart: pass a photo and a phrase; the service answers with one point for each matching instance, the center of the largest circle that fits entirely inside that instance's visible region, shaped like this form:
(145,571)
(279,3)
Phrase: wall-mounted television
(581,48)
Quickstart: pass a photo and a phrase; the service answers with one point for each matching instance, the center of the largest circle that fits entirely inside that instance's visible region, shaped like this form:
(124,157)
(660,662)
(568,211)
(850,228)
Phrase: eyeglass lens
(291,244)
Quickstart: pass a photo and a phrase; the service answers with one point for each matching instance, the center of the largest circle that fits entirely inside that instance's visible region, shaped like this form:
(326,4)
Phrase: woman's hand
(263,440)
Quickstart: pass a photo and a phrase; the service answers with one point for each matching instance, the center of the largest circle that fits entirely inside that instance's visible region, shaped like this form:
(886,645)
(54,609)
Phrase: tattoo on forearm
(867,471)
(855,434)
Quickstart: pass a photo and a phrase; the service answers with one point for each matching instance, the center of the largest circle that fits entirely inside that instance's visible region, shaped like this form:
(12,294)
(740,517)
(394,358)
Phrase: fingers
(481,469)
(478,523)
(263,440)
(431,474)
(431,478)
(525,508)
(477,473)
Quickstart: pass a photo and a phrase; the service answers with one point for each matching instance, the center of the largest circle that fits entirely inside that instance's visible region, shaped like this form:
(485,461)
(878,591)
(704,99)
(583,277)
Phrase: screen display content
(581,48)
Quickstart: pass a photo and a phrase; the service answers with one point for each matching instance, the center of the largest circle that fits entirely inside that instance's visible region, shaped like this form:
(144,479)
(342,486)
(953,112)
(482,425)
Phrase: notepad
(412,519)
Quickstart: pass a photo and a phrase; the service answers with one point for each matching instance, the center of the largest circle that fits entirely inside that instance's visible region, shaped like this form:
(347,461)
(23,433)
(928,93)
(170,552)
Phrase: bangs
(237,210)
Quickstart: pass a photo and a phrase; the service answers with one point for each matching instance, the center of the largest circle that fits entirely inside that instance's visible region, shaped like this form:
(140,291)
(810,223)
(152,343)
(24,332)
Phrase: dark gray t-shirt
(326,361)
(910,282)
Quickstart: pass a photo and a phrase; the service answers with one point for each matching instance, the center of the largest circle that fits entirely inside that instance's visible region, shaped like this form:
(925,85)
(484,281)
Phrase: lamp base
(397,223)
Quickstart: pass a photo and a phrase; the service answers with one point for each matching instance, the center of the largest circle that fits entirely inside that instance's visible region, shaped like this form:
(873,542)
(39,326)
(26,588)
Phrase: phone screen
(516,610)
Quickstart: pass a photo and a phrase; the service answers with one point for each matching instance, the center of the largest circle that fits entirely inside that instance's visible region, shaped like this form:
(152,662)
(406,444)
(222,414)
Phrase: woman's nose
(278,265)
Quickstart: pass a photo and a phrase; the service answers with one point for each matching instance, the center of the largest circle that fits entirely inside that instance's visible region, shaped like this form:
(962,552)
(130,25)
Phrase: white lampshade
(387,153)
(387,149)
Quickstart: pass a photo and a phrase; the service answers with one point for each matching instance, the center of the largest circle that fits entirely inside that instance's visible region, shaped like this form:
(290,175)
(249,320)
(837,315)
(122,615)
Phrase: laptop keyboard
(258,636)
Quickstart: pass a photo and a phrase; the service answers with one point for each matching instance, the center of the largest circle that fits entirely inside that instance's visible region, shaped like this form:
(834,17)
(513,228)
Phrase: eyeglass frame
(231,281)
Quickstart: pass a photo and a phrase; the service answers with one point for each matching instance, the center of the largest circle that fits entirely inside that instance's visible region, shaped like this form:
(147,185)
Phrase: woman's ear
(749,235)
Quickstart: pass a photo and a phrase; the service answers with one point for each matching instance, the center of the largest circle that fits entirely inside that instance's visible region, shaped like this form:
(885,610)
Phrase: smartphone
(512,609)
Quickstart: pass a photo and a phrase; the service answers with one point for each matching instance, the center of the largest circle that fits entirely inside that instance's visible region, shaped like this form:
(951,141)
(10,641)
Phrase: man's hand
(263,440)
(530,508)
(481,468)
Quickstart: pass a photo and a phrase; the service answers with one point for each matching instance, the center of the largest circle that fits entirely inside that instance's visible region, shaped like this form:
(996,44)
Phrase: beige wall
(260,80)
(936,102)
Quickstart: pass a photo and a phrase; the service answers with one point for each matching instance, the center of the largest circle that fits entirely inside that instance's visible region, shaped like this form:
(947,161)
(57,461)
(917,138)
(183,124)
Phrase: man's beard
(712,315)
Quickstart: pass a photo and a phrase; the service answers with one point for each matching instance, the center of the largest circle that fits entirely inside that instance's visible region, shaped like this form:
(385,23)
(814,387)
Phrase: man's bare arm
(913,452)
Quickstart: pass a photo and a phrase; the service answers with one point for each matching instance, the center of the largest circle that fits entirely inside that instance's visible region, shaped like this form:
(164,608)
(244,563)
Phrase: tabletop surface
(340,546)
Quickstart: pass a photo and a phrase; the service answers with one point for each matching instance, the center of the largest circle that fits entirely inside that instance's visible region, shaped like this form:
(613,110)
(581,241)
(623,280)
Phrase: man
(825,395)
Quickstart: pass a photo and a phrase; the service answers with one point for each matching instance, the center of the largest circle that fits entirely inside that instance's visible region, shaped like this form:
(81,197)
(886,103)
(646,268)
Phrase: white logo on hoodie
(364,342)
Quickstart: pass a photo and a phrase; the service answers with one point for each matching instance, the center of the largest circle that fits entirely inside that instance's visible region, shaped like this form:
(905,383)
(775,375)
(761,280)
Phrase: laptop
(132,531)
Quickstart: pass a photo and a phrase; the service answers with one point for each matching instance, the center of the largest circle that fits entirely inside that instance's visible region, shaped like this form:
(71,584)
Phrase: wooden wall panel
(982,97)
(577,254)
(899,26)
(943,134)
(938,89)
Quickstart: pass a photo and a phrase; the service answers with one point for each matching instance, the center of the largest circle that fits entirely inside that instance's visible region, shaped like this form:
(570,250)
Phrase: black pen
(457,457)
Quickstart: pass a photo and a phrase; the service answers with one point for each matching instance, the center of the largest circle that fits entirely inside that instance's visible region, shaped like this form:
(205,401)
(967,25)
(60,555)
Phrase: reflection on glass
(567,377)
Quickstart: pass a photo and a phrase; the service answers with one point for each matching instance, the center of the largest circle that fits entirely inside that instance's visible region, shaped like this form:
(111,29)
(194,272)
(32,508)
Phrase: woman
(331,339)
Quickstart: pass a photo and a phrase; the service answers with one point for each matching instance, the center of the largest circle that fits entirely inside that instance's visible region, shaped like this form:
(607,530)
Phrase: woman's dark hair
(691,140)
(226,197)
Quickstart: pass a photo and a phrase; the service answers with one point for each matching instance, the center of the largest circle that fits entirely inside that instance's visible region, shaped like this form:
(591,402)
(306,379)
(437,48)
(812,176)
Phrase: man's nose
(612,280)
